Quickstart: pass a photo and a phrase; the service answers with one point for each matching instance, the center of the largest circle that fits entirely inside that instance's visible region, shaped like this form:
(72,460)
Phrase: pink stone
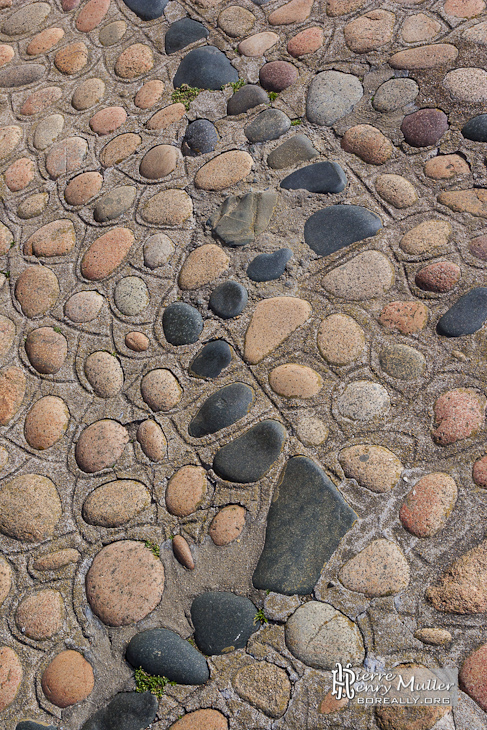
(10,676)
(44,41)
(429,504)
(6,54)
(71,59)
(473,676)
(277,75)
(459,414)
(91,15)
(149,94)
(108,120)
(40,100)
(293,12)
(68,5)
(82,188)
(463,586)
(464,8)
(19,174)
(479,472)
(308,41)
(439,277)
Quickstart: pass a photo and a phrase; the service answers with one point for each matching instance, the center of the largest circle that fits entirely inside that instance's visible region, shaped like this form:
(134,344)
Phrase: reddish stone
(108,120)
(6,54)
(68,679)
(308,41)
(134,61)
(293,12)
(36,290)
(40,100)
(439,277)
(19,174)
(69,4)
(277,75)
(459,414)
(463,587)
(368,143)
(182,552)
(464,8)
(473,676)
(429,504)
(82,188)
(478,247)
(10,676)
(424,127)
(407,317)
(149,94)
(71,59)
(91,15)
(479,472)
(44,41)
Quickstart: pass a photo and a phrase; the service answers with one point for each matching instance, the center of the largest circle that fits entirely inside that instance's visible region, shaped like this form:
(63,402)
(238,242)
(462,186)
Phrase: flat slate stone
(182,33)
(33,725)
(269,266)
(127,711)
(205,68)
(247,458)
(269,124)
(476,128)
(323,177)
(241,219)
(336,227)
(229,299)
(248,97)
(466,316)
(307,519)
(182,324)
(222,622)
(15,76)
(147,9)
(291,152)
(211,360)
(228,405)
(165,654)
(200,138)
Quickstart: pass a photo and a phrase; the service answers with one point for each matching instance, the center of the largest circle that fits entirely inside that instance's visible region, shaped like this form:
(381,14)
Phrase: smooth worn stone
(26,19)
(420,27)
(186,490)
(368,143)
(331,96)
(464,8)
(402,362)
(248,97)
(44,41)
(168,208)
(363,400)
(163,653)
(428,237)
(10,137)
(471,201)
(104,373)
(227,524)
(182,324)
(66,156)
(236,21)
(476,34)
(82,188)
(204,264)
(433,636)
(341,340)
(429,504)
(149,94)
(115,503)
(124,583)
(131,295)
(459,414)
(84,306)
(112,33)
(41,100)
(182,33)
(250,456)
(106,253)
(479,472)
(295,381)
(223,171)
(6,54)
(53,239)
(396,190)
(152,440)
(467,84)
(167,116)
(308,41)
(157,250)
(46,422)
(205,68)
(258,44)
(380,569)
(269,266)
(307,519)
(291,152)
(444,167)
(119,148)
(394,94)
(11,674)
(147,10)
(13,77)
(273,321)
(221,409)
(19,174)
(91,15)
(46,350)
(100,445)
(472,679)
(423,717)
(320,636)
(37,290)
(407,317)
(293,12)
(5,579)
(32,725)
(367,275)
(33,206)
(322,177)
(30,508)
(67,679)
(277,75)
(68,5)
(265,686)
(56,560)
(241,219)
(134,61)
(160,390)
(373,467)
(462,587)
(127,710)
(182,552)
(40,615)
(439,277)
(87,94)
(7,335)
(108,120)
(421,57)
(338,226)
(200,138)
(466,316)
(222,622)
(47,131)
(424,127)
(370,31)
(71,59)
(478,247)
(211,360)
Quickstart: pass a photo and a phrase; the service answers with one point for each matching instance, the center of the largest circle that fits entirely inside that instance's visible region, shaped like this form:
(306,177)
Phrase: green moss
(295,122)
(236,85)
(153,547)
(185,94)
(145,682)
(260,616)
(57,329)
(272,95)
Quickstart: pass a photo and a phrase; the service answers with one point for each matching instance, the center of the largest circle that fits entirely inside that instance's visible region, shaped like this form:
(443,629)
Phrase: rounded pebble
(131,295)
(186,490)
(106,253)
(46,350)
(363,400)
(159,162)
(41,615)
(104,373)
(168,208)
(368,143)
(119,148)
(295,381)
(429,504)
(71,59)
(67,679)
(11,674)
(100,445)
(396,190)
(88,93)
(46,422)
(160,390)
(224,171)
(152,440)
(108,120)
(380,569)
(36,290)
(30,508)
(341,340)
(137,341)
(134,61)
(149,94)
(204,264)
(277,75)
(236,21)
(373,467)
(82,188)
(305,42)
(115,503)
(83,306)
(424,127)
(227,524)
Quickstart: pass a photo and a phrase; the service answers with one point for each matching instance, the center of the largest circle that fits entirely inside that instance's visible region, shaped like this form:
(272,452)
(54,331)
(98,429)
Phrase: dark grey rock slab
(115,203)
(15,76)
(323,177)
(205,68)
(163,653)
(228,299)
(476,128)
(33,725)
(211,360)
(269,124)
(269,266)
(247,458)
(291,152)
(200,138)
(126,711)
(307,519)
(222,622)
(241,219)
(147,9)
(182,33)
(248,97)
(228,405)
(338,226)
(466,316)
(182,324)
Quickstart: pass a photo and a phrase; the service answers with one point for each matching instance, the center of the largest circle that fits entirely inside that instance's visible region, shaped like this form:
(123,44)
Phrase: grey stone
(228,299)
(363,400)
(48,130)
(112,33)
(33,725)
(211,360)
(222,622)
(323,177)
(147,9)
(248,97)
(26,19)
(15,76)
(269,124)
(467,315)
(291,152)
(205,68)
(247,458)
(223,408)
(182,324)
(395,94)
(126,711)
(402,362)
(163,653)
(241,219)
(200,138)
(157,250)
(182,33)
(131,295)
(115,203)
(331,96)
(338,226)
(269,266)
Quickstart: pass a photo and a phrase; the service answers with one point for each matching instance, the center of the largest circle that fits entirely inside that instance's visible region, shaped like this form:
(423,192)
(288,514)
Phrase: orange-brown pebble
(106,253)
(71,59)
(44,41)
(6,54)
(137,341)
(41,100)
(56,560)
(134,61)
(82,188)
(308,41)
(444,167)
(91,15)
(429,504)
(40,615)
(201,720)
(407,317)
(182,552)
(368,143)
(293,12)
(167,116)
(227,524)
(152,440)
(68,679)
(336,8)
(186,490)
(292,380)
(19,174)
(108,120)
(330,704)
(10,676)
(149,94)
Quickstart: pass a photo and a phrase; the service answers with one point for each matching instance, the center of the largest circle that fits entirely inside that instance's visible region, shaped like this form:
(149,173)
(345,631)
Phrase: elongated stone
(163,653)
(247,458)
(466,316)
(221,409)
(338,226)
(323,177)
(182,33)
(211,360)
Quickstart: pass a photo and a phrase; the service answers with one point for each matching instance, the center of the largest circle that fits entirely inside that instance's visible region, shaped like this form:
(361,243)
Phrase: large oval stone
(373,467)
(46,422)
(30,508)
(182,33)
(115,503)
(9,139)
(26,19)
(106,253)
(160,389)
(466,316)
(163,653)
(152,440)
(224,170)
(67,679)
(211,360)
(46,350)
(100,445)
(104,373)
(13,77)
(66,156)
(114,204)
(205,68)
(429,504)
(159,161)
(37,290)
(119,148)
(338,226)
(272,322)
(147,9)
(368,275)
(222,621)
(247,458)
(40,615)
(331,96)
(12,391)
(168,208)
(53,239)
(221,409)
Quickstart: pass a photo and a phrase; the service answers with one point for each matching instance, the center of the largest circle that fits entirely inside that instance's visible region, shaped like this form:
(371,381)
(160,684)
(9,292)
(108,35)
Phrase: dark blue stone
(323,177)
(466,316)
(269,266)
(33,725)
(229,299)
(248,97)
(338,226)
(182,33)
(205,68)
(476,129)
(221,409)
(147,9)
(127,711)
(222,622)
(211,360)
(200,138)
(247,458)
(182,324)
(307,519)
(165,654)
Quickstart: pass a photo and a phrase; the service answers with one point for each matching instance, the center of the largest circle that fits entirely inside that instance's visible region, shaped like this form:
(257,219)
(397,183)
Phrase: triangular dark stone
(323,177)
(182,33)
(147,9)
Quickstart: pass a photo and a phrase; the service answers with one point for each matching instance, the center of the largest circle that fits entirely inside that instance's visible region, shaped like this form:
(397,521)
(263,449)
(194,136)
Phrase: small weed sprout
(295,122)
(272,95)
(260,616)
(236,85)
(153,547)
(153,683)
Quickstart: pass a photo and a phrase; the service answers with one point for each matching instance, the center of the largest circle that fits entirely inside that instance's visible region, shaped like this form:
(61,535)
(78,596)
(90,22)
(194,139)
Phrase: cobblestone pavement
(243,376)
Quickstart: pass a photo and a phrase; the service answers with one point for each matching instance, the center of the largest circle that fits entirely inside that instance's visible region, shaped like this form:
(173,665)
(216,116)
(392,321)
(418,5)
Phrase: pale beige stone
(204,264)
(380,569)
(295,381)
(272,322)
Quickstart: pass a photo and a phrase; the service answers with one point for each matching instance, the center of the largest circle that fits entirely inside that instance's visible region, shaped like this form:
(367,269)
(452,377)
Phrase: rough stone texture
(10,676)
(204,264)
(374,467)
(367,275)
(380,569)
(459,414)
(227,524)
(186,490)
(29,508)
(46,422)
(396,190)
(370,31)
(100,445)
(106,253)
(201,720)
(265,686)
(12,391)
(160,390)
(332,95)
(462,588)
(472,676)
(407,317)
(272,322)
(341,340)
(40,615)
(426,238)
